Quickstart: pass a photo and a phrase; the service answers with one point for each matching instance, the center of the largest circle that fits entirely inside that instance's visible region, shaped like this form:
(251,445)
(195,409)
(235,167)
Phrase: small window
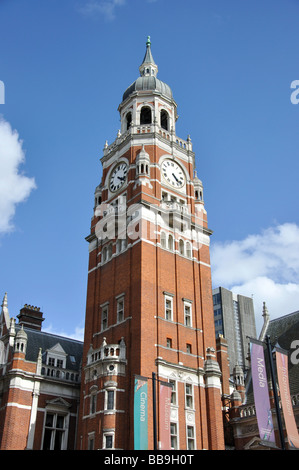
(164,120)
(104,318)
(169,342)
(93,403)
(190,438)
(187,314)
(104,255)
(173,436)
(189,395)
(181,247)
(170,243)
(120,310)
(188,348)
(146,115)
(129,120)
(188,250)
(108,441)
(173,399)
(110,400)
(91,443)
(168,308)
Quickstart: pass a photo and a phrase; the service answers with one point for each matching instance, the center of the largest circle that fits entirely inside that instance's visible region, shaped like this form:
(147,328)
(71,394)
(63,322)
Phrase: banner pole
(279,422)
(154,411)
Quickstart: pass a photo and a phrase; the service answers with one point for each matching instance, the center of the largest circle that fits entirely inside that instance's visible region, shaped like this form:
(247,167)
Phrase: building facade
(283,332)
(39,384)
(234,319)
(149,297)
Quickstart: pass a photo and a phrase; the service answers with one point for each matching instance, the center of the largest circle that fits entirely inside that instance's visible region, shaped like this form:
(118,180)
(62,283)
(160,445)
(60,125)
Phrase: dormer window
(56,357)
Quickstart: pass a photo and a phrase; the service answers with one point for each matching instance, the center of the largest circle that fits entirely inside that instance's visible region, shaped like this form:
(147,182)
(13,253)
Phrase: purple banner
(261,393)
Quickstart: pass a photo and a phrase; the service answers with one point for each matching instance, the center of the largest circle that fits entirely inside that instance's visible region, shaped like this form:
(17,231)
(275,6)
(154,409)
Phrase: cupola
(143,163)
(198,188)
(148,77)
(21,341)
(148,101)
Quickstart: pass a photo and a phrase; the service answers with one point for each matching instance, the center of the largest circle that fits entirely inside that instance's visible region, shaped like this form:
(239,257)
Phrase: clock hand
(175,177)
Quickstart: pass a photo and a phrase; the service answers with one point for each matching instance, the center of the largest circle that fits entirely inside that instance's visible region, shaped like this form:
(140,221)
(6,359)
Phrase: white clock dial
(173,174)
(118,177)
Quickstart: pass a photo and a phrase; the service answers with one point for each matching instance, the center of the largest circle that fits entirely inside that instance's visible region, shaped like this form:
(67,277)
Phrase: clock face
(173,174)
(118,177)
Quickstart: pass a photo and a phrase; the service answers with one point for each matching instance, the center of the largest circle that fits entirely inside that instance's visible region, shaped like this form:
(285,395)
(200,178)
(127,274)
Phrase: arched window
(146,115)
(181,247)
(164,119)
(104,254)
(170,243)
(129,120)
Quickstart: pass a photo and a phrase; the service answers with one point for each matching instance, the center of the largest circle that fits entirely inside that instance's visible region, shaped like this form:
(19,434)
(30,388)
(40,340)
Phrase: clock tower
(149,309)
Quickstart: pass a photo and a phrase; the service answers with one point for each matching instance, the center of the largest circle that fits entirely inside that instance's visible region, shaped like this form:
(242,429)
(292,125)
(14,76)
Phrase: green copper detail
(148,42)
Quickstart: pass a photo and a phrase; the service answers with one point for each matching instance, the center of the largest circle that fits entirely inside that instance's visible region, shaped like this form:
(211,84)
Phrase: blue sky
(65,65)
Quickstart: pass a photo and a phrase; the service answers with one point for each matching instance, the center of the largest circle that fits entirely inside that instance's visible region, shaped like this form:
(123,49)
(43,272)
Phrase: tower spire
(148,66)
(4,310)
(266,317)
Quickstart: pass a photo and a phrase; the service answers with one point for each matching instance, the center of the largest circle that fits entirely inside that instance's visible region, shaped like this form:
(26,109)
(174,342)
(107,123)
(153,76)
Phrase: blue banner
(140,414)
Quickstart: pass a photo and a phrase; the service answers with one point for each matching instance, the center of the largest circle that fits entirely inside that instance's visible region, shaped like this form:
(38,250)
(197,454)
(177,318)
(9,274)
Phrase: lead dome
(148,77)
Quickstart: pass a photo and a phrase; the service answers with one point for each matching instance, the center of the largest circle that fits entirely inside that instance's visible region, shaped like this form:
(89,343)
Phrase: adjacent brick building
(39,384)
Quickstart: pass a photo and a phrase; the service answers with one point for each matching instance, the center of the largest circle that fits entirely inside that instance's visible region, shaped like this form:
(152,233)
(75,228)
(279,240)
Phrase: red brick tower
(149,297)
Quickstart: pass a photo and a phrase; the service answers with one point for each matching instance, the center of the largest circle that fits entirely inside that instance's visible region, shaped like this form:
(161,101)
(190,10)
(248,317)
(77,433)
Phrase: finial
(4,303)
(148,66)
(265,310)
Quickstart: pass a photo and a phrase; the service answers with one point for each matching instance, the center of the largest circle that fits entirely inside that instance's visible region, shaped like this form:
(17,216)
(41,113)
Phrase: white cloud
(15,187)
(265,266)
(77,334)
(107,8)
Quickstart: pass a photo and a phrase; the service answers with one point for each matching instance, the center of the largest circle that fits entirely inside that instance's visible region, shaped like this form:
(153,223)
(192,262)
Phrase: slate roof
(41,339)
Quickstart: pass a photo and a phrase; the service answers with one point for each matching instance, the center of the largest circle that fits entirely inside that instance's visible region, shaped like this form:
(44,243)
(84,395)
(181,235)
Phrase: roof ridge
(44,332)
